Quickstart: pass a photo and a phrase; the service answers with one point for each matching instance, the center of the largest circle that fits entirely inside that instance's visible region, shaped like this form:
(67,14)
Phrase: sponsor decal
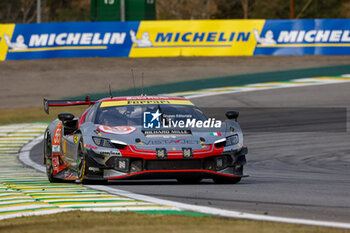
(55,165)
(214,36)
(16,45)
(187,153)
(192,123)
(299,37)
(76,139)
(67,39)
(170,141)
(57,134)
(119,130)
(143,102)
(109,152)
(89,146)
(152,120)
(122,164)
(82,40)
(62,39)
(56,148)
(144,41)
(161,153)
(145,97)
(267,40)
(166,132)
(302,37)
(194,38)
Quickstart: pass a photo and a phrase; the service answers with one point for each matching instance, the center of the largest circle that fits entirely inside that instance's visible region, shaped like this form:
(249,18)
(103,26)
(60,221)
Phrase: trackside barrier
(175,38)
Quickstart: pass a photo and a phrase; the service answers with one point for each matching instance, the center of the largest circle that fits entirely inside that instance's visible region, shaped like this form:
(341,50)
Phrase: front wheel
(81,163)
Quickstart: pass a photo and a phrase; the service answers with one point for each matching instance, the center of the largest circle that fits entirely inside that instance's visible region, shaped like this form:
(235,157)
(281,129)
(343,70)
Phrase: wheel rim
(81,162)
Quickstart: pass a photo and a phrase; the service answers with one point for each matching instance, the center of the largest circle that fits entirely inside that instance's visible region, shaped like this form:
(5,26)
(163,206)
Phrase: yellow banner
(195,38)
(6,31)
(143,102)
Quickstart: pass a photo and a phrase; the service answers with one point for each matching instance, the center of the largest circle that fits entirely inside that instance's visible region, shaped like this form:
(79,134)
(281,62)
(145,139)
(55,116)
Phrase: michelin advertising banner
(175,38)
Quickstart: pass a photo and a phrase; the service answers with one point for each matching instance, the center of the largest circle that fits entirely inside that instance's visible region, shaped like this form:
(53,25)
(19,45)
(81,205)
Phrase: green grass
(30,115)
(156,223)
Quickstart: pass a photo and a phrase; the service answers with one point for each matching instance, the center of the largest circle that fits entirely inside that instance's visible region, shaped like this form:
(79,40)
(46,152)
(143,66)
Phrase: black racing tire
(189,180)
(82,167)
(227,180)
(48,158)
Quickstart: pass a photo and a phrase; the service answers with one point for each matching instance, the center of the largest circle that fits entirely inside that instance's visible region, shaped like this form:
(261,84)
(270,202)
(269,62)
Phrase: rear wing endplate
(65,103)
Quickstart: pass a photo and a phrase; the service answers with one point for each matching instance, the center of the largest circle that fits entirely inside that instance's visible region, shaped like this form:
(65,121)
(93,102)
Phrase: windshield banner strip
(143,102)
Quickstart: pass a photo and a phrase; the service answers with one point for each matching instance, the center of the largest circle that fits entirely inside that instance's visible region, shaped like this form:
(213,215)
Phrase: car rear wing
(65,103)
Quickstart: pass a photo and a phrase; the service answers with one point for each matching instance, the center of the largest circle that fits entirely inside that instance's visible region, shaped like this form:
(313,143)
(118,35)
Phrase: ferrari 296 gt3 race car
(142,137)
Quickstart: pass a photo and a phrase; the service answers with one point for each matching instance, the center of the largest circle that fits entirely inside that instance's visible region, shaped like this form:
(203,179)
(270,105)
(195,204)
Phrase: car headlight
(103,142)
(232,140)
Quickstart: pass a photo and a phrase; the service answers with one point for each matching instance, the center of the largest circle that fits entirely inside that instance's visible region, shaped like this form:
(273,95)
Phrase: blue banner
(175,38)
(50,40)
(304,37)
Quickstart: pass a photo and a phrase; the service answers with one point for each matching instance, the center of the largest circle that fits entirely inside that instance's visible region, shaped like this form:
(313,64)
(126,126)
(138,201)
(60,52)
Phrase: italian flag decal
(215,134)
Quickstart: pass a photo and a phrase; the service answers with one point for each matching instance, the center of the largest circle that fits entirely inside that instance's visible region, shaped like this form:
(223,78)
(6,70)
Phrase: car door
(69,142)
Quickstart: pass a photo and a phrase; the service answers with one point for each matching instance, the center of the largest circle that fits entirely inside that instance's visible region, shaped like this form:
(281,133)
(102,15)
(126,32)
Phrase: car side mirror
(65,117)
(70,124)
(232,115)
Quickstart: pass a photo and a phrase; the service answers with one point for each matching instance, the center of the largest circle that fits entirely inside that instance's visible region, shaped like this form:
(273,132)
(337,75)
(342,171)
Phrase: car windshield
(132,115)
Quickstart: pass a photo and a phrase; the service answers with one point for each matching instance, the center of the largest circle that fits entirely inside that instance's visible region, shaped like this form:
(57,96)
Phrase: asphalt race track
(303,174)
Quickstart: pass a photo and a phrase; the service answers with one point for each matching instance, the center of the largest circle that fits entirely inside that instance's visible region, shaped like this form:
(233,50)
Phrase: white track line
(262,86)
(217,211)
(24,157)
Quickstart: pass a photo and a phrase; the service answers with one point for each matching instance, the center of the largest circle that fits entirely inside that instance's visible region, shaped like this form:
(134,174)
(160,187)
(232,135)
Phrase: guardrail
(175,38)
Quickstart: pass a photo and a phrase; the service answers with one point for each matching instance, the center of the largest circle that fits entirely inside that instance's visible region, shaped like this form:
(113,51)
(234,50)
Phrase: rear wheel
(227,180)
(48,158)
